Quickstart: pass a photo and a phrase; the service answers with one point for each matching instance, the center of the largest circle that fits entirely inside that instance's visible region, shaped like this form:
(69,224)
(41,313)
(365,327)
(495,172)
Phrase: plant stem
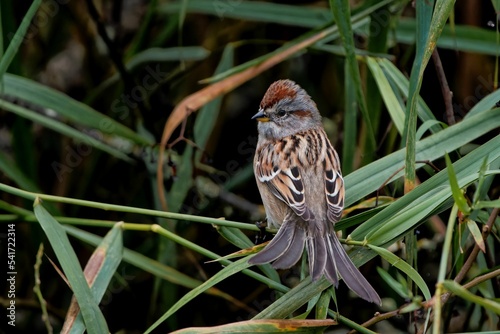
(121,208)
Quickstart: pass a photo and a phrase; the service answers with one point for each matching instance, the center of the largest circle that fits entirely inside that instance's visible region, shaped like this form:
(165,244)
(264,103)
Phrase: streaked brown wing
(334,185)
(285,182)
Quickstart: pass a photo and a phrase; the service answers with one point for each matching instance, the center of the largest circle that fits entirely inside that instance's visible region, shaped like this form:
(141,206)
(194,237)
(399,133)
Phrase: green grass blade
(18,38)
(141,36)
(379,27)
(428,125)
(460,291)
(480,191)
(142,262)
(350,124)
(107,256)
(424,14)
(487,204)
(350,221)
(391,102)
(122,208)
(408,211)
(428,31)
(396,77)
(264,326)
(443,269)
(342,15)
(300,295)
(228,271)
(369,178)
(476,234)
(398,287)
(404,267)
(458,195)
(234,236)
(154,55)
(206,117)
(328,32)
(322,305)
(351,324)
(9,168)
(62,128)
(92,315)
(73,110)
(404,219)
(465,38)
(302,16)
(486,103)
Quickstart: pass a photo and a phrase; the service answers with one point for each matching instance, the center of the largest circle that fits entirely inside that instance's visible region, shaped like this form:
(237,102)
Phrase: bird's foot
(261,236)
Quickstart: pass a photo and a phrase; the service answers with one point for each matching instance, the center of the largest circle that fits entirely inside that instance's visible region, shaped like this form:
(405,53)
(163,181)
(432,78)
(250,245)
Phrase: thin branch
(467,265)
(38,291)
(114,54)
(445,88)
(472,257)
(379,317)
(446,296)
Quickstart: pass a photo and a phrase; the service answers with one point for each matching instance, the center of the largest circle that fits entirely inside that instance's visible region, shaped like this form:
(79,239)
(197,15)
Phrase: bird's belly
(276,210)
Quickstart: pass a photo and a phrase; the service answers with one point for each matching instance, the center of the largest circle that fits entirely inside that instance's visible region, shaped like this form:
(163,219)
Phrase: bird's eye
(281,113)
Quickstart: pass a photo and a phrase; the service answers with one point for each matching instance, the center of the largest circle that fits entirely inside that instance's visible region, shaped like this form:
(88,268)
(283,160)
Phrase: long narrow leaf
(424,12)
(342,15)
(404,267)
(92,315)
(99,271)
(350,123)
(18,38)
(75,111)
(62,128)
(390,100)
(264,326)
(228,271)
(455,188)
(460,291)
(396,219)
(369,178)
(302,16)
(293,299)
(397,78)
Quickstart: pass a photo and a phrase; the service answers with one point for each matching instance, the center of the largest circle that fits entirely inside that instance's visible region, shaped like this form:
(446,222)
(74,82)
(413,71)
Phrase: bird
(298,175)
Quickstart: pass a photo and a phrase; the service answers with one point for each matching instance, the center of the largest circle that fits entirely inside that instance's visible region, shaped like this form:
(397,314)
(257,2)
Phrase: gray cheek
(268,129)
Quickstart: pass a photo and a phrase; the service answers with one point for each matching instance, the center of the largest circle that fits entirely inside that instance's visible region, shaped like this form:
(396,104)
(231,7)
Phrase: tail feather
(277,247)
(331,272)
(351,275)
(294,251)
(326,255)
(316,250)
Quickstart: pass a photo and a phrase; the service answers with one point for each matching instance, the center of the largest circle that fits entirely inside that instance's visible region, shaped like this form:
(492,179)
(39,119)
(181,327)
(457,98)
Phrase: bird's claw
(261,236)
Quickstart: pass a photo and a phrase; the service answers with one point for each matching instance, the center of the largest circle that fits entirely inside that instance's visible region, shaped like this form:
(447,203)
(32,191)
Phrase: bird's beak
(260,116)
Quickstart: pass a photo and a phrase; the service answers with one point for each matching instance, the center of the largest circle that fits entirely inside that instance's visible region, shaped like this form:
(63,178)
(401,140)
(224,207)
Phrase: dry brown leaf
(198,99)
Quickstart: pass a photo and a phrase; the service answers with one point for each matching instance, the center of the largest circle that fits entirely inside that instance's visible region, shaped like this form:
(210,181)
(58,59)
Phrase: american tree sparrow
(300,182)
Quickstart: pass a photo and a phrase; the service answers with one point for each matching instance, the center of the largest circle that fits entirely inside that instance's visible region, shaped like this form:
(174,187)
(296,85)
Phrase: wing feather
(283,178)
(334,185)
